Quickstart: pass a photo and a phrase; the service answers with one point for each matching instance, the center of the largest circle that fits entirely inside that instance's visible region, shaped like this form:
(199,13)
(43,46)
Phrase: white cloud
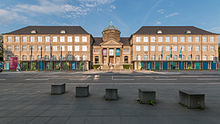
(158,23)
(8,16)
(215,29)
(161,11)
(112,7)
(172,14)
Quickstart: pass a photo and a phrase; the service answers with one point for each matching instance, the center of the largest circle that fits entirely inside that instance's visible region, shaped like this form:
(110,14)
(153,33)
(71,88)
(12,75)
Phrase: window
(175,57)
(167,48)
(10,39)
(47,38)
(159,32)
(62,48)
(138,48)
(212,57)
(197,57)
(204,39)
(24,39)
(84,39)
(54,58)
(38,57)
(145,57)
(24,57)
(54,48)
(9,48)
(204,58)
(152,48)
(24,48)
(76,39)
(77,58)
(97,50)
(39,39)
(204,48)
(76,48)
(138,39)
(39,48)
(183,57)
(145,39)
(16,48)
(54,39)
(167,39)
(160,39)
(189,39)
(126,50)
(174,48)
(197,39)
(153,39)
(70,48)
(189,57)
(17,39)
(145,48)
(182,39)
(167,57)
(32,57)
(47,48)
(212,39)
(138,57)
(96,59)
(197,48)
(189,48)
(69,57)
(69,39)
(46,57)
(153,57)
(63,32)
(183,48)
(126,59)
(84,48)
(174,39)
(32,39)
(62,39)
(84,57)
(212,48)
(160,48)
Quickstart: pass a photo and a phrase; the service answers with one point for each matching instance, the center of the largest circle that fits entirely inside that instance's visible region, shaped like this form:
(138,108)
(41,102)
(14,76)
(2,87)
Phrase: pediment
(111,43)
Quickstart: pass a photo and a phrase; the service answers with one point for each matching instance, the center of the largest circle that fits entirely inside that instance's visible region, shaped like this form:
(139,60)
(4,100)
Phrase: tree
(219,52)
(1,45)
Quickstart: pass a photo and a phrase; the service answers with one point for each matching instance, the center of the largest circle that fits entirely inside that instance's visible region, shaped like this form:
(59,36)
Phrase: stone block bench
(82,91)
(147,96)
(58,89)
(191,99)
(111,94)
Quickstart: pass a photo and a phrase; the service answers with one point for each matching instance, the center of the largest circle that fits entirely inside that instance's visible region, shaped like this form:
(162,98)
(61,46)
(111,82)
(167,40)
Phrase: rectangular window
(145,57)
(189,48)
(16,48)
(160,39)
(204,57)
(62,39)
(54,48)
(70,48)
(62,47)
(197,48)
(167,39)
(54,39)
(153,57)
(145,48)
(76,39)
(145,39)
(160,48)
(24,48)
(174,48)
(174,39)
(212,39)
(204,39)
(138,39)
(10,39)
(32,39)
(197,39)
(212,48)
(211,57)
(39,39)
(189,39)
(24,39)
(76,48)
(182,39)
(84,48)
(152,48)
(204,48)
(47,39)
(47,48)
(84,39)
(153,39)
(39,48)
(9,48)
(17,39)
(138,48)
(69,39)
(167,48)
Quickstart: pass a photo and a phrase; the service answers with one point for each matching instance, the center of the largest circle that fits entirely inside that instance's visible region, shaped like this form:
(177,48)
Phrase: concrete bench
(192,100)
(147,96)
(58,89)
(82,91)
(111,94)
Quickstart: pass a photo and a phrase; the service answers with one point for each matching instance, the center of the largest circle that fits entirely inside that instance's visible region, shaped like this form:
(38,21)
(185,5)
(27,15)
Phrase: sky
(94,15)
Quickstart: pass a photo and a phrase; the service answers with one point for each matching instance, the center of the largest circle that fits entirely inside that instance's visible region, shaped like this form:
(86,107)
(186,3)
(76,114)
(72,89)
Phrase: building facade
(150,48)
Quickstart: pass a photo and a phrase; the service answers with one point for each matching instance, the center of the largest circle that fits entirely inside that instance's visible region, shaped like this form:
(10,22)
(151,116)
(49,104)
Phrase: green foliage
(150,102)
(66,66)
(126,66)
(33,66)
(24,66)
(95,66)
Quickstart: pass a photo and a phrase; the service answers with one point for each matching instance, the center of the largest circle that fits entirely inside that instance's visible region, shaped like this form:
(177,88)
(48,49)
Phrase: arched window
(138,57)
(32,57)
(54,58)
(84,57)
(204,57)
(153,57)
(38,57)
(24,57)
(168,57)
(126,59)
(69,57)
(77,58)
(184,57)
(189,57)
(197,57)
(46,57)
(7,58)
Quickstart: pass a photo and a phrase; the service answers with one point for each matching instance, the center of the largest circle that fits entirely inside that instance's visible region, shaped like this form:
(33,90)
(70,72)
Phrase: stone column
(114,55)
(101,57)
(107,56)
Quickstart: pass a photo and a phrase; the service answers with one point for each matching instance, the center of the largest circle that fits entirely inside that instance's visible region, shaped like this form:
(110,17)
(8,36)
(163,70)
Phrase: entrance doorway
(111,59)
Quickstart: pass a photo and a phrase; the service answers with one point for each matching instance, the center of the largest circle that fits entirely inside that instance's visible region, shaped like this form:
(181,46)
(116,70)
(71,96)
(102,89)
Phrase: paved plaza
(25,98)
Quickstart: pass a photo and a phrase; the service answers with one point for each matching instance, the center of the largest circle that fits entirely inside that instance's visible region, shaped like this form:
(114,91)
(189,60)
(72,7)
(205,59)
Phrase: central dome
(111,27)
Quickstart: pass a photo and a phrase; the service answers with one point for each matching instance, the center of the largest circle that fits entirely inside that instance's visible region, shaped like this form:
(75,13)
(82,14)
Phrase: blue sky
(95,15)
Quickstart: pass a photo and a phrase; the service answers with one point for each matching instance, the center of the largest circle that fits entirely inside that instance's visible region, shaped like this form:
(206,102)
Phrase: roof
(50,30)
(171,30)
(111,27)
(124,40)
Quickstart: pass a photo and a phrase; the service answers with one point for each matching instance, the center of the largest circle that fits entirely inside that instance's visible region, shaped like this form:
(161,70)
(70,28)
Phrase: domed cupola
(111,33)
